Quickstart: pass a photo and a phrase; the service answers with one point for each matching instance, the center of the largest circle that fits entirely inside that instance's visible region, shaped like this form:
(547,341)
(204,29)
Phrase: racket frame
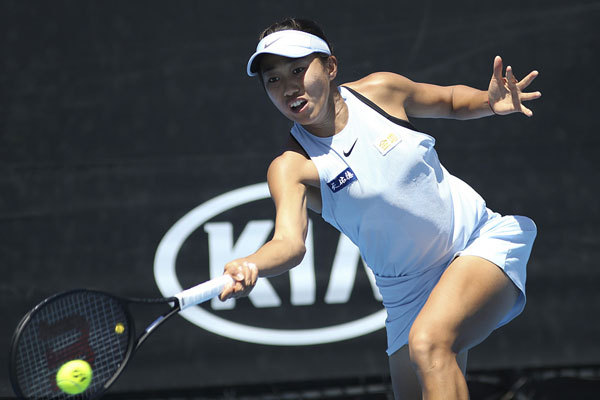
(133,343)
(182,300)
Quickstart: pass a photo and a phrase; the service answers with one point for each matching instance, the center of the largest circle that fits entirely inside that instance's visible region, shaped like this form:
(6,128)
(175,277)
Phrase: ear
(332,67)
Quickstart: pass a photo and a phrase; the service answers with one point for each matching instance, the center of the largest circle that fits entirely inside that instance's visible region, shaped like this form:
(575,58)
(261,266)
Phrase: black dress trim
(396,120)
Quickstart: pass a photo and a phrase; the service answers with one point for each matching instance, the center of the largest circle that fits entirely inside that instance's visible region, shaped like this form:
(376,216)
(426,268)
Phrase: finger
(497,71)
(238,276)
(530,96)
(526,111)
(251,274)
(512,81)
(527,80)
(238,290)
(231,268)
(226,292)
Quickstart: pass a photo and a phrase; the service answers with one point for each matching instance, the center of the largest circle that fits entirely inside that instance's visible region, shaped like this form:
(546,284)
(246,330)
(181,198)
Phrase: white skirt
(504,240)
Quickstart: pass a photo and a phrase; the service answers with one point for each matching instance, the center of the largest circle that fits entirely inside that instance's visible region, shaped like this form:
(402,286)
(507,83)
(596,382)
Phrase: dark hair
(297,24)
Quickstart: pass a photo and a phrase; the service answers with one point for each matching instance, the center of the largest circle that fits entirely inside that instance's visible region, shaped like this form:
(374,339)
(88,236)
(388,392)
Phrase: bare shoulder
(386,89)
(293,172)
(287,167)
(293,165)
(382,86)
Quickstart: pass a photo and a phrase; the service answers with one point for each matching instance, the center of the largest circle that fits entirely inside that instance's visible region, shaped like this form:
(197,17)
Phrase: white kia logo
(302,278)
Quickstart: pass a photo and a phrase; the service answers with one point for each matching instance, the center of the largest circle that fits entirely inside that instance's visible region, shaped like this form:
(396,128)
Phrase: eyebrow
(263,70)
(287,61)
(272,66)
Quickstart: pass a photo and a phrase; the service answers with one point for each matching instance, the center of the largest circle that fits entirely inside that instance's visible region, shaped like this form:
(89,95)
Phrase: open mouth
(297,105)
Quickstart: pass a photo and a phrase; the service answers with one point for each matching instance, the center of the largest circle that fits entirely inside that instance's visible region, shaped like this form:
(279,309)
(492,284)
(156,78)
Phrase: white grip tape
(203,292)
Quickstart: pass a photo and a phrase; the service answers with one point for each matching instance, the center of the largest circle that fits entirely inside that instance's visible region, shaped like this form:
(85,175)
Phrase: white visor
(288,43)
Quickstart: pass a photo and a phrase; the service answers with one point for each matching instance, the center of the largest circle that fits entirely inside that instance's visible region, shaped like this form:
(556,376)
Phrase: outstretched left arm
(403,98)
(505,95)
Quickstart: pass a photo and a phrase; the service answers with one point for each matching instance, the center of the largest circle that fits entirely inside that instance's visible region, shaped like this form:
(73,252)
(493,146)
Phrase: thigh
(471,298)
(404,379)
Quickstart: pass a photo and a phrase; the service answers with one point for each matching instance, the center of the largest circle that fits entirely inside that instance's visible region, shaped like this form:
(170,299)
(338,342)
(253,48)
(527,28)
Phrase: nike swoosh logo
(347,153)
(270,43)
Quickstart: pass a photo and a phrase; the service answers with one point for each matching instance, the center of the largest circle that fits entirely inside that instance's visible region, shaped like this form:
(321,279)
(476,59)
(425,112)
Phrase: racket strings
(78,325)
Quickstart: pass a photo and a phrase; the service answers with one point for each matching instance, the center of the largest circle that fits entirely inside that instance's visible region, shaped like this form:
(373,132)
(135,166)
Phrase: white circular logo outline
(168,284)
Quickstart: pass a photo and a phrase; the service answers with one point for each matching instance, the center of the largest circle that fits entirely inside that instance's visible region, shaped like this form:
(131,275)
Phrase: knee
(430,349)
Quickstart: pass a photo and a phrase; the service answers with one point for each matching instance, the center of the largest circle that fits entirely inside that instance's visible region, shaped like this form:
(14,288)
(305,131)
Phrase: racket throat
(155,324)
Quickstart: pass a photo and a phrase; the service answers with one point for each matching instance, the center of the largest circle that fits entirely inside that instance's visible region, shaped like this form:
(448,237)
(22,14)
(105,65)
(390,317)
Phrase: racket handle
(203,292)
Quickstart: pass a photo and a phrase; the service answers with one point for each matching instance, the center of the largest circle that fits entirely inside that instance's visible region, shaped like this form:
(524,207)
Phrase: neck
(335,117)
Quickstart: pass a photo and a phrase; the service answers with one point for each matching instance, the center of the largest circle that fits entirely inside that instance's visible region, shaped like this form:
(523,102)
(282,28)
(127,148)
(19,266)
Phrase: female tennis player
(449,269)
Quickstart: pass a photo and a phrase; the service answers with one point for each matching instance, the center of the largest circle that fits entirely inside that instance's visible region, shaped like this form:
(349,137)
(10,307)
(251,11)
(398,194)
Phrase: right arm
(287,183)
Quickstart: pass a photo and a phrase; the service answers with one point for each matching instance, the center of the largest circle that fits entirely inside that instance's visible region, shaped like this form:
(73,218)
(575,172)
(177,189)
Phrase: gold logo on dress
(385,143)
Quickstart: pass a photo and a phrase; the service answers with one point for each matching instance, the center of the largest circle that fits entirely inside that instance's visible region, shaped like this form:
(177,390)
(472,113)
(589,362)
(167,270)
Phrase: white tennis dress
(383,186)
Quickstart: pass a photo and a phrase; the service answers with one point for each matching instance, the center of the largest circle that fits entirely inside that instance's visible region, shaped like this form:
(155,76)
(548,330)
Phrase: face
(299,87)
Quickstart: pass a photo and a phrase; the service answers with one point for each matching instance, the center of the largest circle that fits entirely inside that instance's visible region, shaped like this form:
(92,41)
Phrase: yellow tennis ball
(74,377)
(119,328)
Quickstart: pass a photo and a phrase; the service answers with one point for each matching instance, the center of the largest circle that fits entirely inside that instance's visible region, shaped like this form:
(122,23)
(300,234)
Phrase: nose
(292,87)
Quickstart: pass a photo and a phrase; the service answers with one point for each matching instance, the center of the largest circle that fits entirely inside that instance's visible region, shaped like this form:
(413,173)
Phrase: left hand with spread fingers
(505,93)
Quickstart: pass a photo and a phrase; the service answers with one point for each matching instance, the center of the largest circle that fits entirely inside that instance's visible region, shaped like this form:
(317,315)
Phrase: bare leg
(404,378)
(472,296)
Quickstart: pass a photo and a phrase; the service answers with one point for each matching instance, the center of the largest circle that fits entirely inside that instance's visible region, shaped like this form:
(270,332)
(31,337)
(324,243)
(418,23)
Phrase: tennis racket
(86,325)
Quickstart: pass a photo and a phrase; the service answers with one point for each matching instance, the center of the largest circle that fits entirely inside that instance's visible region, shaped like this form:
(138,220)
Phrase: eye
(298,70)
(272,79)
